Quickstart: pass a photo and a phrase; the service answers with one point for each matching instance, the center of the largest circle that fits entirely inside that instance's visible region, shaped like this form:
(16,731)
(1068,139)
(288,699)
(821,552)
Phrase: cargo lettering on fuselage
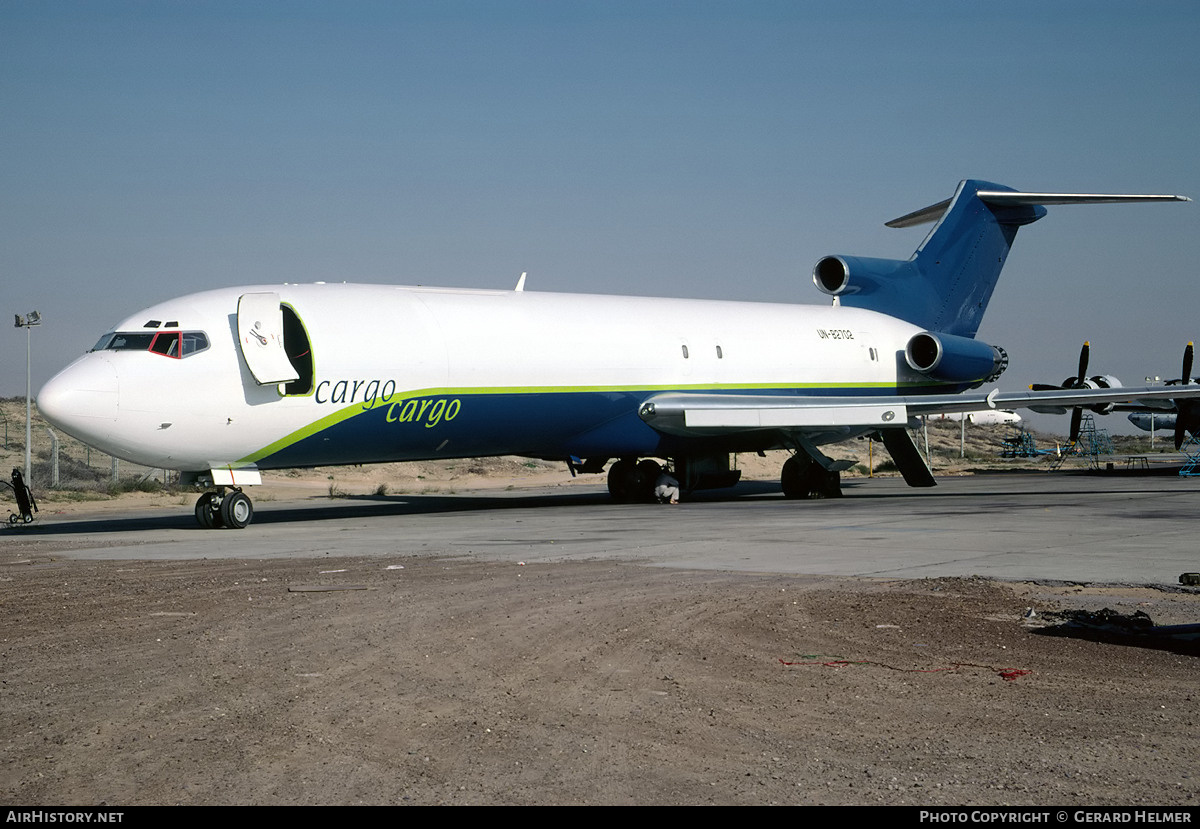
(414,411)
(346,391)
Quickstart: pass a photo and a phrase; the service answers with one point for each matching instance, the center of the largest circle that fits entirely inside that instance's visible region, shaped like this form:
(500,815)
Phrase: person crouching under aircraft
(666,488)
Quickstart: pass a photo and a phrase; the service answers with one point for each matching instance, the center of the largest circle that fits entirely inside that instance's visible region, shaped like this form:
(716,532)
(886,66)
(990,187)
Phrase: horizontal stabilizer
(1007,198)
(1004,198)
(920,217)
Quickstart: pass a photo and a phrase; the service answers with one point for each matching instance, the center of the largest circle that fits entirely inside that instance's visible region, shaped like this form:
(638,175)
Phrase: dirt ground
(435,681)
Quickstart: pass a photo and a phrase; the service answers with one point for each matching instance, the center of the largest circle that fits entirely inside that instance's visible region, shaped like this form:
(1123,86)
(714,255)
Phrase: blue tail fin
(961,258)
(946,285)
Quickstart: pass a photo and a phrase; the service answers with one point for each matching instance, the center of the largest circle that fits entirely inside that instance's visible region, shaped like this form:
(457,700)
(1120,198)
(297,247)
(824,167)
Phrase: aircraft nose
(82,398)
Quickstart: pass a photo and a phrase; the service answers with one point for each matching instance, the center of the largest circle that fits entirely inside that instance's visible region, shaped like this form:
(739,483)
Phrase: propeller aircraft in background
(1179,413)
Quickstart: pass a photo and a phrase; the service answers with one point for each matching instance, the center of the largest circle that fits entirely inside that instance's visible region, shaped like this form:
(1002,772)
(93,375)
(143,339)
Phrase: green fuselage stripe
(354,409)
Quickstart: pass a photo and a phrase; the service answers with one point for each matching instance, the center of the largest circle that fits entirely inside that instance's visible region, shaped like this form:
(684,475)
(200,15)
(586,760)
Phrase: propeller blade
(1084,353)
(1187,365)
(1076,419)
(1187,420)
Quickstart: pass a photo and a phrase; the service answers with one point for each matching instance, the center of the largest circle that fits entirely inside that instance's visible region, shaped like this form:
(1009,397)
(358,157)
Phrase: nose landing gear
(230,508)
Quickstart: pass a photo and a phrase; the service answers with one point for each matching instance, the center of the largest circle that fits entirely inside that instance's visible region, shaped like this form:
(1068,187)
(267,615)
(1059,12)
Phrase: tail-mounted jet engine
(946,357)
(842,275)
(954,359)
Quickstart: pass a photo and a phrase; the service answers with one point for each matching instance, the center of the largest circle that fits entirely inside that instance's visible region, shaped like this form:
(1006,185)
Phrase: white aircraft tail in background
(989,417)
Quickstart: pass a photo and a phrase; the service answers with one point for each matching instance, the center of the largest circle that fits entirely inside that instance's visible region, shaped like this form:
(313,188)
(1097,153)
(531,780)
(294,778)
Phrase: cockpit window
(177,344)
(129,342)
(166,344)
(193,341)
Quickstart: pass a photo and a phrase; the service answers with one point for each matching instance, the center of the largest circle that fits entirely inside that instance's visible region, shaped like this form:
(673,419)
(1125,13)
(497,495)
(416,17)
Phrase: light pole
(27,322)
(1152,381)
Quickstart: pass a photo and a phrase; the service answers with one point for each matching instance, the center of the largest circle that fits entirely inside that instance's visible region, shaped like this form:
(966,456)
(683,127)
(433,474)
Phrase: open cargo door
(260,334)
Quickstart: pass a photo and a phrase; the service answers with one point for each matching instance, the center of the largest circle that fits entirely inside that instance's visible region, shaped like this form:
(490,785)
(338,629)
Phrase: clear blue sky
(707,149)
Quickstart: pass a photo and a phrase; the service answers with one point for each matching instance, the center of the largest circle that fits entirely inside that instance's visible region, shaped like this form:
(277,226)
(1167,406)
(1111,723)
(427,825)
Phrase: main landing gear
(804,478)
(631,481)
(227,507)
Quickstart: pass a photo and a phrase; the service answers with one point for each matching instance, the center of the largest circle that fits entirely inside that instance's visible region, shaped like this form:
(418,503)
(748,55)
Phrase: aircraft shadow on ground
(365,506)
(348,507)
(1152,639)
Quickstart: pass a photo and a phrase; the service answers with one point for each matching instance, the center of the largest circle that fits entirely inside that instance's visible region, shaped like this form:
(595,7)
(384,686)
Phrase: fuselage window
(720,354)
(685,354)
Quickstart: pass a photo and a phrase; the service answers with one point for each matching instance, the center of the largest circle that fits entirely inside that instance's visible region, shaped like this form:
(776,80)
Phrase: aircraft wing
(686,413)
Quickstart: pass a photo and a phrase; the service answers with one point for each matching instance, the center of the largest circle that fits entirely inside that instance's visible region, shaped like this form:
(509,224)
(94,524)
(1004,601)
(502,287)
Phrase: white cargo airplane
(991,417)
(222,384)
